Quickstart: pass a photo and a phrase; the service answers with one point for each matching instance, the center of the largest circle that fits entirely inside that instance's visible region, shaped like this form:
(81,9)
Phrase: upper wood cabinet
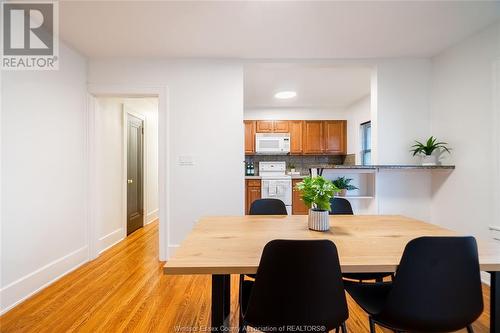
(272,126)
(249,137)
(265,126)
(335,136)
(307,137)
(313,142)
(280,126)
(295,127)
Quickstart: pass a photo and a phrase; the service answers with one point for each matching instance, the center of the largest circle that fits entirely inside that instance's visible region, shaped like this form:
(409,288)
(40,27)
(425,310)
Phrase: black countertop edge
(388,166)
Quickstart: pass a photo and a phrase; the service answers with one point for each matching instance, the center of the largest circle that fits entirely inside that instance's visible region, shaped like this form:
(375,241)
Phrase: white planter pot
(342,193)
(429,160)
(318,220)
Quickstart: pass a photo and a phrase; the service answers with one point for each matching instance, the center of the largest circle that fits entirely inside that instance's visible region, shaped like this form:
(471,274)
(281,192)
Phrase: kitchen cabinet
(280,126)
(272,126)
(335,137)
(265,126)
(249,137)
(298,206)
(313,141)
(252,192)
(295,127)
(307,137)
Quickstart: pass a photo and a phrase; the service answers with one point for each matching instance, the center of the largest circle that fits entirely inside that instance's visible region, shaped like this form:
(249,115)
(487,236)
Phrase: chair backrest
(298,283)
(340,206)
(437,286)
(268,207)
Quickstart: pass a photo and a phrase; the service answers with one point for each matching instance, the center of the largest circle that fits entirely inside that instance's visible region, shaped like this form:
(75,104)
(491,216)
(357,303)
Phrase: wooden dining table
(225,245)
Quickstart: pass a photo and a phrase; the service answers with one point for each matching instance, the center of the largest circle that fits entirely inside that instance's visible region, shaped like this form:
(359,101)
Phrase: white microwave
(272,143)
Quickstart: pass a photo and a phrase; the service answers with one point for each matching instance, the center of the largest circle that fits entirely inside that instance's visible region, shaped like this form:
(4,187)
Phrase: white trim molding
(152,216)
(23,288)
(110,239)
(164,175)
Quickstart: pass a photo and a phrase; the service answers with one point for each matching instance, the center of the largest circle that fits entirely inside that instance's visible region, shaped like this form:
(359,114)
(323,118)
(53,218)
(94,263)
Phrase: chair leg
(343,328)
(372,325)
(242,327)
(469,329)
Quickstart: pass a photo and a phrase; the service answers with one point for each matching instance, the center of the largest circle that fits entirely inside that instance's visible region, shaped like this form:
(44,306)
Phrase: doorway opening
(126,167)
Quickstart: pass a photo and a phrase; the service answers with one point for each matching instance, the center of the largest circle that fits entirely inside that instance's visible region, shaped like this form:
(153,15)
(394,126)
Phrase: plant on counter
(316,193)
(344,185)
(426,149)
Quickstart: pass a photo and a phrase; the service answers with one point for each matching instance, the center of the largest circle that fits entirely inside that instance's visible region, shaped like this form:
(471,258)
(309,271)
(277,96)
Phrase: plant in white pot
(426,150)
(344,185)
(316,193)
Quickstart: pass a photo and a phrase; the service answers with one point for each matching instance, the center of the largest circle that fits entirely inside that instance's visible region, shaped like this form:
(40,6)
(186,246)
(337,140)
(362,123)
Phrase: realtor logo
(29,36)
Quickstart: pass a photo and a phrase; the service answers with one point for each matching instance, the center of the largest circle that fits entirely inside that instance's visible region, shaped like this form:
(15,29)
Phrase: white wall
(294,114)
(44,230)
(463,115)
(109,151)
(357,113)
(205,103)
(110,168)
(401,114)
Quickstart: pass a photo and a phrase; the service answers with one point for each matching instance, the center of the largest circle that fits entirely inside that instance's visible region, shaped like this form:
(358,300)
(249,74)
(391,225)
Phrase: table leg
(495,302)
(221,301)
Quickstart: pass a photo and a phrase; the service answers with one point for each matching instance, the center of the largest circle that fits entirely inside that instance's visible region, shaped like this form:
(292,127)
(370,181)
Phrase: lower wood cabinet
(298,206)
(252,192)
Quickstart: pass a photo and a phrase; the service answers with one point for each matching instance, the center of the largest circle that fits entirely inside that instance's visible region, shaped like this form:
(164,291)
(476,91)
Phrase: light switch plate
(186,160)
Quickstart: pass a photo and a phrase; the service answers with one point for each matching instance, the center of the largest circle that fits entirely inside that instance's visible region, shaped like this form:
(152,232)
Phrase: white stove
(275,183)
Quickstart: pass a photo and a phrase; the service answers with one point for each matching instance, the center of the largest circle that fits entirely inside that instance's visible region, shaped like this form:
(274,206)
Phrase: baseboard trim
(110,239)
(171,250)
(25,287)
(152,216)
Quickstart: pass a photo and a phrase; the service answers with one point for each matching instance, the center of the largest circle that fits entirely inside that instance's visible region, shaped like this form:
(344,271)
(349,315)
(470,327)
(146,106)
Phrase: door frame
(496,137)
(125,114)
(164,158)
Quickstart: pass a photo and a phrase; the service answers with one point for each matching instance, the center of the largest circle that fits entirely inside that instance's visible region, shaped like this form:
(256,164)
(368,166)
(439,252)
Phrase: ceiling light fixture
(285,94)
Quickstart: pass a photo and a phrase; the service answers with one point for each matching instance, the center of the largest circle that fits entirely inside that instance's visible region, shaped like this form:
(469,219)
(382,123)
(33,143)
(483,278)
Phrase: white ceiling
(317,86)
(270,29)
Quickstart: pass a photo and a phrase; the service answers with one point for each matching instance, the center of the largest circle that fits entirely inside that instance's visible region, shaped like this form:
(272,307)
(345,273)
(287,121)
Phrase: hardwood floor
(125,290)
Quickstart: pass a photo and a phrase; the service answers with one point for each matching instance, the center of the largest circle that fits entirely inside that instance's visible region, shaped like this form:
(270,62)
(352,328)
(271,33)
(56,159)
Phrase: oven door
(277,189)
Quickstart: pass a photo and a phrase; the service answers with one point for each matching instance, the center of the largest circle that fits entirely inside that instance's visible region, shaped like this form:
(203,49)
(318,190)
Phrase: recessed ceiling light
(285,94)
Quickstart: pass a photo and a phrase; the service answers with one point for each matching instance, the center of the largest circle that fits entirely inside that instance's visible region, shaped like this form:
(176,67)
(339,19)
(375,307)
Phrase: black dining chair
(314,299)
(268,207)
(437,288)
(341,206)
(263,207)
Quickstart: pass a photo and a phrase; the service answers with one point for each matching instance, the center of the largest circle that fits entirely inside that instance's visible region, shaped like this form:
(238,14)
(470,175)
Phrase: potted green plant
(344,185)
(316,193)
(426,150)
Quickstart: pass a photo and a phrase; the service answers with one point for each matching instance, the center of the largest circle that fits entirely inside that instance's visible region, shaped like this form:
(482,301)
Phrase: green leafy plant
(316,192)
(429,147)
(344,183)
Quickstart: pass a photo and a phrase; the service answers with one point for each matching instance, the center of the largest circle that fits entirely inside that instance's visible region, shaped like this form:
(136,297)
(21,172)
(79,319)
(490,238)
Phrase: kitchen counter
(384,167)
(293,177)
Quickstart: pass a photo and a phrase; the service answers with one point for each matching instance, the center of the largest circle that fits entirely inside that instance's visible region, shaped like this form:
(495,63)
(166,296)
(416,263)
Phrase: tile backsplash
(302,163)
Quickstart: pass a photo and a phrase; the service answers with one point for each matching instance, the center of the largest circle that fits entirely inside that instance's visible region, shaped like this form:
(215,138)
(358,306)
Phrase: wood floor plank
(125,290)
